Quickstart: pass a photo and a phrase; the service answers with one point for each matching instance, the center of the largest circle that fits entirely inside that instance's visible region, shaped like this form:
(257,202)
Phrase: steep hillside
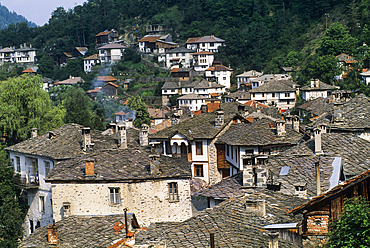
(7,18)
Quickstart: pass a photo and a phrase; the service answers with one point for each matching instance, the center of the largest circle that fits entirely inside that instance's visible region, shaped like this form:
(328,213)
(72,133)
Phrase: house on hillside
(316,108)
(106,37)
(156,44)
(192,101)
(220,74)
(65,57)
(205,43)
(244,79)
(202,60)
(238,96)
(316,89)
(277,93)
(183,74)
(111,53)
(25,54)
(265,78)
(195,139)
(91,61)
(79,52)
(179,57)
(70,81)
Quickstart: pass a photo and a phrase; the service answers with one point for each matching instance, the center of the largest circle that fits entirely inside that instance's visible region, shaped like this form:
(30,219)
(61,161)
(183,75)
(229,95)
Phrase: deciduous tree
(142,114)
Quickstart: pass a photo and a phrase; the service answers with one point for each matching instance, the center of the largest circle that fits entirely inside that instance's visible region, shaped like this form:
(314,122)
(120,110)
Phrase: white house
(91,61)
(202,60)
(111,53)
(23,54)
(221,74)
(245,78)
(179,57)
(278,93)
(192,101)
(316,89)
(205,43)
(258,81)
(206,88)
(366,76)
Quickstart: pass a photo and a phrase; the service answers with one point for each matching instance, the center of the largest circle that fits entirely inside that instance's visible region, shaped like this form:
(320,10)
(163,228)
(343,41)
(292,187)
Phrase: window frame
(42,204)
(198,170)
(198,150)
(18,163)
(114,196)
(45,166)
(173,192)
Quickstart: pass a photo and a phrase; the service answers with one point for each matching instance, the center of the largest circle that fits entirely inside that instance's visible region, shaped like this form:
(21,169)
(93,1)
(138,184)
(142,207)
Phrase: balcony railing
(28,181)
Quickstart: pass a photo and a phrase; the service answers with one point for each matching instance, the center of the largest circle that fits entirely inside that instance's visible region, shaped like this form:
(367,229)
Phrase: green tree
(352,228)
(78,107)
(25,105)
(336,40)
(142,114)
(11,214)
(321,67)
(46,66)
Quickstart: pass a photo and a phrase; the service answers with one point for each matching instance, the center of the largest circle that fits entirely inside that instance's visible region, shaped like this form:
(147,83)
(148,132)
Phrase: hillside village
(226,160)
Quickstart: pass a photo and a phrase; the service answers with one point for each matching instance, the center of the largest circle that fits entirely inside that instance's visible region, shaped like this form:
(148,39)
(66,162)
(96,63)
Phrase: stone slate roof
(204,84)
(251,73)
(119,165)
(318,106)
(354,151)
(240,95)
(201,126)
(179,85)
(258,133)
(273,86)
(231,223)
(180,50)
(81,231)
(192,97)
(209,38)
(66,141)
(356,113)
(322,86)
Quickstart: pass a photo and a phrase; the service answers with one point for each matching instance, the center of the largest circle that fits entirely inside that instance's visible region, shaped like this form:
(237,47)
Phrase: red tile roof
(110,83)
(204,52)
(252,103)
(219,68)
(149,39)
(92,57)
(96,90)
(175,70)
(212,107)
(192,40)
(29,70)
(104,33)
(107,79)
(197,112)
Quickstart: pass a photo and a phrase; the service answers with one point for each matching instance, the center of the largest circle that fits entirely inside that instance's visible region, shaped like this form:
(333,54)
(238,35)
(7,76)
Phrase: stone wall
(314,241)
(149,200)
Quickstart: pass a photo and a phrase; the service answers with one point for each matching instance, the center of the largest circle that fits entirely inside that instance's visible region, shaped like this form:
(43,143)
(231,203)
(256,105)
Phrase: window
(34,167)
(165,91)
(42,204)
(212,44)
(173,194)
(172,90)
(199,147)
(263,94)
(224,78)
(273,94)
(198,169)
(18,163)
(227,150)
(287,94)
(47,168)
(203,44)
(254,95)
(114,195)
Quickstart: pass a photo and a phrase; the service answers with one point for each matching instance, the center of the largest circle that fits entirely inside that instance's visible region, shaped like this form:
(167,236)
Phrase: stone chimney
(86,142)
(122,137)
(318,149)
(338,113)
(113,127)
(129,123)
(89,168)
(289,119)
(318,183)
(144,132)
(280,128)
(154,164)
(257,206)
(295,124)
(273,240)
(34,133)
(254,175)
(323,127)
(219,118)
(52,234)
(175,119)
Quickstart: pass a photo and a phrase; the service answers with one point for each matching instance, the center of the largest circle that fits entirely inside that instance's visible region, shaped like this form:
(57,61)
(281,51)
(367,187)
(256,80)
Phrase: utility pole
(326,19)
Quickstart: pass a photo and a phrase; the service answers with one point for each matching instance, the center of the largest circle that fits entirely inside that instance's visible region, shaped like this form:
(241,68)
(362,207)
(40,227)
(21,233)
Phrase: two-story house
(192,101)
(91,61)
(277,93)
(265,78)
(111,53)
(195,139)
(316,89)
(220,74)
(179,57)
(205,43)
(202,60)
(23,54)
(106,37)
(244,80)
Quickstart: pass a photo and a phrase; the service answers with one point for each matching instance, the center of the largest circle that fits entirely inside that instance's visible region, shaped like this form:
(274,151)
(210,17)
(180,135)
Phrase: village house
(192,101)
(156,44)
(183,74)
(154,187)
(277,93)
(70,81)
(316,108)
(106,37)
(202,60)
(111,53)
(23,54)
(220,74)
(65,57)
(316,89)
(265,78)
(244,80)
(345,61)
(347,117)
(34,158)
(238,96)
(321,210)
(205,43)
(195,139)
(366,76)
(154,29)
(179,57)
(91,61)
(158,115)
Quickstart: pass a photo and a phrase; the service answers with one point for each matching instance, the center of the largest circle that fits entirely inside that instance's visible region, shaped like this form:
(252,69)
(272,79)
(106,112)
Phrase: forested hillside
(260,34)
(11,18)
